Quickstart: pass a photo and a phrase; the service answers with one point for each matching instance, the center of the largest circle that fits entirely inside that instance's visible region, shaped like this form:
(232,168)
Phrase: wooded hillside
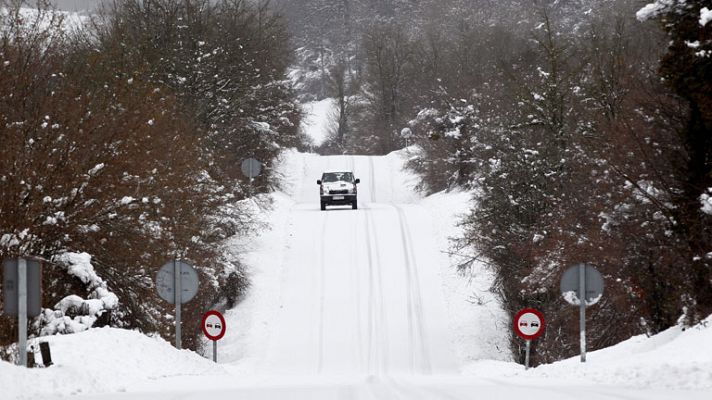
(122,137)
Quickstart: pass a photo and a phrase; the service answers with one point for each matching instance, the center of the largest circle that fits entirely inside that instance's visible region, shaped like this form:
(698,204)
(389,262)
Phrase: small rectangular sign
(9,286)
(10,289)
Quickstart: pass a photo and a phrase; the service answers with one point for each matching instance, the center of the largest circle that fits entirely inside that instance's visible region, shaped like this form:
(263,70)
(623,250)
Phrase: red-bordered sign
(213,325)
(529,323)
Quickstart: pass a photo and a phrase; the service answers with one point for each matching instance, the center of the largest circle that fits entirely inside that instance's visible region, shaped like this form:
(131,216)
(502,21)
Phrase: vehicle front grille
(338,192)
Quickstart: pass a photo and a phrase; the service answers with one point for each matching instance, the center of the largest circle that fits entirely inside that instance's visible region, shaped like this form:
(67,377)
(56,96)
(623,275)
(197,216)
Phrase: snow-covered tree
(122,142)
(570,142)
(686,68)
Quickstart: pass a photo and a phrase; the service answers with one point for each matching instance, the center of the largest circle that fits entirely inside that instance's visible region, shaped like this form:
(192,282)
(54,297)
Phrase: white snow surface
(676,359)
(71,21)
(318,119)
(100,298)
(705,16)
(103,360)
(706,201)
(362,304)
(652,10)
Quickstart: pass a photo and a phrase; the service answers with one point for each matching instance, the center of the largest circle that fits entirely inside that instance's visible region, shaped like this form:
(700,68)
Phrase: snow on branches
(706,200)
(73,313)
(654,9)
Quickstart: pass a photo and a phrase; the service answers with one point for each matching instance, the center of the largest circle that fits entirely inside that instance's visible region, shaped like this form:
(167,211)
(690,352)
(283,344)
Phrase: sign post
(22,310)
(214,329)
(406,134)
(177,301)
(582,286)
(23,297)
(582,311)
(528,325)
(177,283)
(251,168)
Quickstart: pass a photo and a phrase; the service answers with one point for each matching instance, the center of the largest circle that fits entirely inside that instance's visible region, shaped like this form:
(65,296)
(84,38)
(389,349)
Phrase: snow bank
(99,301)
(102,360)
(248,324)
(674,359)
(479,325)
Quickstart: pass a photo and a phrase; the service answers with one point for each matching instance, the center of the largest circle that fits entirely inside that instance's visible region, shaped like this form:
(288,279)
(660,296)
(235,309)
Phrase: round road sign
(251,168)
(571,285)
(213,325)
(529,323)
(165,281)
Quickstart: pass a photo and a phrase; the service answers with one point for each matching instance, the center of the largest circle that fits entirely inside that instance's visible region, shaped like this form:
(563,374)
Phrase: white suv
(338,188)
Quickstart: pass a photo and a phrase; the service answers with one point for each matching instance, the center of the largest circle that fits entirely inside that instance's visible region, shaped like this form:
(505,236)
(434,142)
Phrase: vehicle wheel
(354,205)
(323,206)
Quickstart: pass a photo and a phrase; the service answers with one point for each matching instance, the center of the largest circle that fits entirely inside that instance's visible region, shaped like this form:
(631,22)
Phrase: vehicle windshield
(337,176)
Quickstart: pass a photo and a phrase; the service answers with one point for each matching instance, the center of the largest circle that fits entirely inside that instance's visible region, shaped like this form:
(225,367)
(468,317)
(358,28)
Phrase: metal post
(215,351)
(22,311)
(582,309)
(250,164)
(177,291)
(46,354)
(526,357)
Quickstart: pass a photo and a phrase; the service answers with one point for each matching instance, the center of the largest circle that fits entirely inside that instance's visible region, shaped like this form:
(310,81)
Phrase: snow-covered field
(361,304)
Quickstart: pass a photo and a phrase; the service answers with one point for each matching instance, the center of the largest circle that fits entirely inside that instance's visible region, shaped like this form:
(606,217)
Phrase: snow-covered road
(349,304)
(360,293)
(389,388)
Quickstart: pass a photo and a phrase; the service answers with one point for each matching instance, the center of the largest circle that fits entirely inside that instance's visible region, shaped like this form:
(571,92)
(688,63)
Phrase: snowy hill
(102,360)
(671,360)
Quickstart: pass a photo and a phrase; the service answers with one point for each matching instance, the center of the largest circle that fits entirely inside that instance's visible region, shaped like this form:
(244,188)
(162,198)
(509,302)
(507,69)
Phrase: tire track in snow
(378,335)
(371,298)
(416,329)
(372,175)
(381,389)
(572,392)
(390,174)
(322,294)
(356,279)
(413,392)
(322,289)
(377,328)
(389,388)
(383,338)
(409,295)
